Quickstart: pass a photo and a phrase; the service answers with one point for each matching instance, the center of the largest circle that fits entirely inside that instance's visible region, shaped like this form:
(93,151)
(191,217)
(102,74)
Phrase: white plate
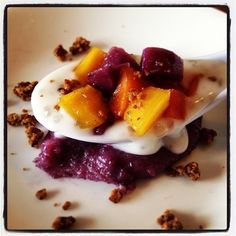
(32,35)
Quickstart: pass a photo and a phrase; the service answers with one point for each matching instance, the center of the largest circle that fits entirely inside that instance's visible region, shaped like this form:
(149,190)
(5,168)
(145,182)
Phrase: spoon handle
(219,98)
(218,56)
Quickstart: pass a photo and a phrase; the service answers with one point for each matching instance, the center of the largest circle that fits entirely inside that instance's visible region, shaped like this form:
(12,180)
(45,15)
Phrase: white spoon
(45,97)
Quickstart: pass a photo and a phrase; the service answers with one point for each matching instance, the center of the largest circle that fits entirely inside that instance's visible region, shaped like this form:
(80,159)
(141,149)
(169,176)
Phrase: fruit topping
(129,86)
(86,106)
(160,63)
(177,106)
(116,57)
(92,61)
(147,108)
(104,79)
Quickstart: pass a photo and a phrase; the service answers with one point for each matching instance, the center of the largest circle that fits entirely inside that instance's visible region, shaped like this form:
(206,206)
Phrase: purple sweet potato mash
(66,157)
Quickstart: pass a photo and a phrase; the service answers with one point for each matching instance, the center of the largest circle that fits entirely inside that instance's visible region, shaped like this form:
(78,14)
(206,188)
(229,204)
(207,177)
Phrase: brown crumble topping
(212,78)
(25,110)
(66,205)
(190,170)
(29,122)
(116,195)
(169,221)
(25,169)
(63,222)
(14,119)
(79,45)
(69,86)
(34,135)
(25,89)
(61,53)
(57,107)
(207,136)
(41,194)
(21,119)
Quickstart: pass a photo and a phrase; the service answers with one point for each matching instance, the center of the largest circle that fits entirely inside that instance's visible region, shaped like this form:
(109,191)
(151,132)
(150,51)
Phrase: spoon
(45,96)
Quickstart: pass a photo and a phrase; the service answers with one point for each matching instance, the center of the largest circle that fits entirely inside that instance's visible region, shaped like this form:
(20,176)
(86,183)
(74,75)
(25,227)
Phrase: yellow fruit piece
(86,106)
(149,105)
(92,61)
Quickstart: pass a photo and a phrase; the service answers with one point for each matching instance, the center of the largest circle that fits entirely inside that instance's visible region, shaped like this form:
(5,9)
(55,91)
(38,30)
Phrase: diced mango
(86,106)
(177,107)
(128,88)
(92,61)
(149,105)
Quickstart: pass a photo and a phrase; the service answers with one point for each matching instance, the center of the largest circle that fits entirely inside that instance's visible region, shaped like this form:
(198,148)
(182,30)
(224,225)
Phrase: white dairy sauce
(45,96)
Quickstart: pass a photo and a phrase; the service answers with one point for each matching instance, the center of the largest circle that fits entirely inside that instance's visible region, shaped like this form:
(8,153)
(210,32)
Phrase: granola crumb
(207,136)
(56,204)
(25,168)
(116,195)
(25,89)
(41,194)
(28,120)
(169,221)
(14,119)
(34,135)
(63,222)
(66,205)
(69,86)
(61,53)
(57,107)
(190,170)
(79,45)
(25,110)
(12,153)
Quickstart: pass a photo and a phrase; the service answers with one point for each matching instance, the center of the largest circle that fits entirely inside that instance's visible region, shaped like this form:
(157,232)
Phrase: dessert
(120,122)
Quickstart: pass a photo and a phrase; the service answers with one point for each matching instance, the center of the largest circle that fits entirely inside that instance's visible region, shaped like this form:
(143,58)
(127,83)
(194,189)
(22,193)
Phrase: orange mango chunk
(86,106)
(92,61)
(128,88)
(177,105)
(149,105)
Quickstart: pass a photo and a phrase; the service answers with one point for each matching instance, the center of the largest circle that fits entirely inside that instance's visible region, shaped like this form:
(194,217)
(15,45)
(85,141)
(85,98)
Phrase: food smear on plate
(136,106)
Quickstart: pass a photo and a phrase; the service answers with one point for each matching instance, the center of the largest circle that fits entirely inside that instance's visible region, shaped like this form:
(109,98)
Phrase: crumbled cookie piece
(177,171)
(192,171)
(14,119)
(207,136)
(25,89)
(25,110)
(169,221)
(66,205)
(63,222)
(34,135)
(21,119)
(57,107)
(41,194)
(25,169)
(116,195)
(61,53)
(28,120)
(79,45)
(69,86)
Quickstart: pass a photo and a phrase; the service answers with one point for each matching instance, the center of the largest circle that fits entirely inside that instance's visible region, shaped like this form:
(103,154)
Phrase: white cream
(45,96)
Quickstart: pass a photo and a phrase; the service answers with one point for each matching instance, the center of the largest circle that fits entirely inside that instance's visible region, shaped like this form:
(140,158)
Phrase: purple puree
(66,157)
